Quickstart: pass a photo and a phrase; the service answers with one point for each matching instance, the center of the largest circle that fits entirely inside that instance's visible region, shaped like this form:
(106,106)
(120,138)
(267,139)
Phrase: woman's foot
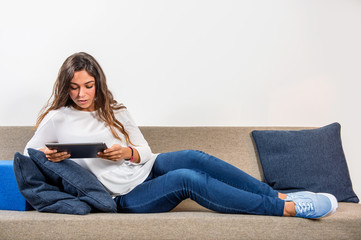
(310,205)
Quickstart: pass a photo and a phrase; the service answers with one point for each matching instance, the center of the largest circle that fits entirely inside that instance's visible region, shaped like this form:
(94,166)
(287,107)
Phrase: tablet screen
(79,150)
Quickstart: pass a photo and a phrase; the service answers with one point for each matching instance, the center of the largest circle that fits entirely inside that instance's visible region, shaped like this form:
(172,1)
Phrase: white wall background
(195,62)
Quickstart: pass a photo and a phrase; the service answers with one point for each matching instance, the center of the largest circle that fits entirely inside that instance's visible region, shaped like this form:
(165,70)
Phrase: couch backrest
(13,139)
(232,144)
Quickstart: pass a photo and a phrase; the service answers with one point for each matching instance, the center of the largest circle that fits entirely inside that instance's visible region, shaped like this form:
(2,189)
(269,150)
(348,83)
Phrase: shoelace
(304,207)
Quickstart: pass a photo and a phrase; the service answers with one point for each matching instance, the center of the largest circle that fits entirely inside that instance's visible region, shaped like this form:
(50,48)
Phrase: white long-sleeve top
(68,125)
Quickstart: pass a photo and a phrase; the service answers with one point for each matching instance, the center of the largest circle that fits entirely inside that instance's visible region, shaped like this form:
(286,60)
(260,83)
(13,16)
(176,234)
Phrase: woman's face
(82,91)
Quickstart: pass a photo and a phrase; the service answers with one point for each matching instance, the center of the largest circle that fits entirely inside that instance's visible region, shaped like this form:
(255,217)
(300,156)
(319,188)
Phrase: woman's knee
(194,155)
(185,176)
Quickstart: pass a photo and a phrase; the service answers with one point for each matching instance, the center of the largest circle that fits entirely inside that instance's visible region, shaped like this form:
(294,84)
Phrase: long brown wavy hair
(104,101)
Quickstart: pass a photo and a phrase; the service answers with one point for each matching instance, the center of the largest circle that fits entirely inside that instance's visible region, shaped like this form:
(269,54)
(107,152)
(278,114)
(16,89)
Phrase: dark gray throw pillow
(311,159)
(75,180)
(40,194)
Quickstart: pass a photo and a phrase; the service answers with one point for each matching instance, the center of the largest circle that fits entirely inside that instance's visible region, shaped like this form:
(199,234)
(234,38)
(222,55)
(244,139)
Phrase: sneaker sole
(334,204)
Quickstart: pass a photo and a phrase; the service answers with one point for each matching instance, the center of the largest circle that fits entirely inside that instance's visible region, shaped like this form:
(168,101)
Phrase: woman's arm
(45,133)
(139,144)
(141,150)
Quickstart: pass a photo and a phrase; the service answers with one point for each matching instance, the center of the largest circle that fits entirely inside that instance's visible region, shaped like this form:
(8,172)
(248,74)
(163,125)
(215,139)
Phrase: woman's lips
(82,101)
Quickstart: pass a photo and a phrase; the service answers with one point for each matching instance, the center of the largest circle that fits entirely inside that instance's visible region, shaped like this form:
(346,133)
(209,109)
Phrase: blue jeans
(209,181)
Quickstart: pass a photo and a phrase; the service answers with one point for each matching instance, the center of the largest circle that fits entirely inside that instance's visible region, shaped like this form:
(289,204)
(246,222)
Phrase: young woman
(82,109)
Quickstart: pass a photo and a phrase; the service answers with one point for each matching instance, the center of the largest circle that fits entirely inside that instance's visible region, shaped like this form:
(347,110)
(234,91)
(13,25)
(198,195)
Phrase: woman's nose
(81,92)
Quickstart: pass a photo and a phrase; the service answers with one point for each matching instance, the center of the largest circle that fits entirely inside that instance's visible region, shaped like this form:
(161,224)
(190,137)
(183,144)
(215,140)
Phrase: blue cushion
(42,195)
(10,197)
(311,160)
(76,181)
(63,187)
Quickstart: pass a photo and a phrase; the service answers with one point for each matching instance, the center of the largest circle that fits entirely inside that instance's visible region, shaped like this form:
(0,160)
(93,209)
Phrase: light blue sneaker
(290,196)
(313,205)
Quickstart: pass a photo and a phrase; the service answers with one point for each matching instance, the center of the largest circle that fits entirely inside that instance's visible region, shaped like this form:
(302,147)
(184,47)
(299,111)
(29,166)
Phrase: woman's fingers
(114,156)
(114,153)
(54,156)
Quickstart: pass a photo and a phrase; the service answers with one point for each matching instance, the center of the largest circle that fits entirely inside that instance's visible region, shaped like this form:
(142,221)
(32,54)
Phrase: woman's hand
(116,153)
(54,155)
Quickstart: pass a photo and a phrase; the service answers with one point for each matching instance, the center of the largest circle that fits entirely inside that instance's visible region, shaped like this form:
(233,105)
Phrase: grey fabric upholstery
(188,220)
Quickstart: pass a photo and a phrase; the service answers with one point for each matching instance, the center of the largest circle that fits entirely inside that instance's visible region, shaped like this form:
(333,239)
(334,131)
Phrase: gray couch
(188,220)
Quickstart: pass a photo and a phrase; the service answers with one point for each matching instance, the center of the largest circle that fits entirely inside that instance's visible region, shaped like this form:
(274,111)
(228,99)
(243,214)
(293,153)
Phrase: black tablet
(79,150)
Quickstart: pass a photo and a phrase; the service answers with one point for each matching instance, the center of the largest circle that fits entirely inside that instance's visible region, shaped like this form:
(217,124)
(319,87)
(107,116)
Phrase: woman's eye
(73,88)
(90,86)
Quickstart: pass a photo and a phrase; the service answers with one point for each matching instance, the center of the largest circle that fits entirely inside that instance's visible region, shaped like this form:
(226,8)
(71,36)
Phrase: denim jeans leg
(163,193)
(207,180)
(215,167)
